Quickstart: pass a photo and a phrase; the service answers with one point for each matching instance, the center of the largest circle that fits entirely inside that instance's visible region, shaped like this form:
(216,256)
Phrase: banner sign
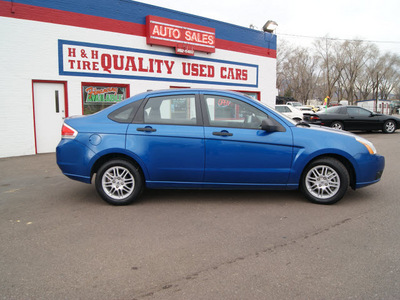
(184,37)
(94,60)
(98,94)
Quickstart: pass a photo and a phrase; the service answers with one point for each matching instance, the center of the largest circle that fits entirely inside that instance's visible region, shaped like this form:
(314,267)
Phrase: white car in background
(294,103)
(298,105)
(290,111)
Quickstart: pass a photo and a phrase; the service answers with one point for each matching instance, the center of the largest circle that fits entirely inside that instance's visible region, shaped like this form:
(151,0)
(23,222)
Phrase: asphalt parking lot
(59,240)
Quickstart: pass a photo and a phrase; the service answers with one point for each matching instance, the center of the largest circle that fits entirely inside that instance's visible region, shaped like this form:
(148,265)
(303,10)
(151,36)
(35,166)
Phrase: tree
(330,64)
(352,70)
(297,72)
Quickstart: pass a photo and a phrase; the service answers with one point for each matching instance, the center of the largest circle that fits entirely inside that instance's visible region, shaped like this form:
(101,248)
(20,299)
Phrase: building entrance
(49,106)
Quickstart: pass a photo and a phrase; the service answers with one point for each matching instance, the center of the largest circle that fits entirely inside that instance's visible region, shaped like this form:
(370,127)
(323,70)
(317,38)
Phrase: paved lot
(59,240)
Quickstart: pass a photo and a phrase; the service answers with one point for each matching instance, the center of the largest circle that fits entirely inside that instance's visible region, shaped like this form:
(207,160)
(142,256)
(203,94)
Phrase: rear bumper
(73,158)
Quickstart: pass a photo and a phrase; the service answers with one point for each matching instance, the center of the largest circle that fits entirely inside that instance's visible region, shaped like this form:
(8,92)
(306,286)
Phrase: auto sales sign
(184,37)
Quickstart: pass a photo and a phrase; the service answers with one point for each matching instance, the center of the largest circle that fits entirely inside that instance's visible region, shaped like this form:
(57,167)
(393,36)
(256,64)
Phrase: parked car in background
(305,109)
(354,118)
(193,138)
(290,111)
(294,103)
(298,105)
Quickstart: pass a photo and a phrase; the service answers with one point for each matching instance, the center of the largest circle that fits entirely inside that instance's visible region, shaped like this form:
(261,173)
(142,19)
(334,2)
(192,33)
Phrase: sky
(300,22)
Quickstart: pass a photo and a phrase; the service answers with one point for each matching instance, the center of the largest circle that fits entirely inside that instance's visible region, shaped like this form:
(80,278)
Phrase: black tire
(337,125)
(119,182)
(389,126)
(325,181)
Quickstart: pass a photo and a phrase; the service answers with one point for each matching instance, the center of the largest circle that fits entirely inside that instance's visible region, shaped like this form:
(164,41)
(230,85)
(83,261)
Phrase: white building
(64,58)
(380,106)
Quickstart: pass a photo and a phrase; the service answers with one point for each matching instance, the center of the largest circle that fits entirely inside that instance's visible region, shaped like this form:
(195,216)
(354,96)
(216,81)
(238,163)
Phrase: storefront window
(97,96)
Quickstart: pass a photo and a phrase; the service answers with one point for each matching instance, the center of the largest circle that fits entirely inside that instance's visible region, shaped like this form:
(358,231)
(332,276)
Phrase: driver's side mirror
(268,125)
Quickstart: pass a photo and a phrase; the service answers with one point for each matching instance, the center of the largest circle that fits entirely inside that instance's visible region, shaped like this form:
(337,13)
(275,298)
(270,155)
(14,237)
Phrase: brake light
(67,132)
(314,118)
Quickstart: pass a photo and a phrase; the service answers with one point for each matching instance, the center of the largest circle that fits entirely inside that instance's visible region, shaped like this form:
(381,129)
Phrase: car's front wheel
(389,126)
(119,182)
(325,181)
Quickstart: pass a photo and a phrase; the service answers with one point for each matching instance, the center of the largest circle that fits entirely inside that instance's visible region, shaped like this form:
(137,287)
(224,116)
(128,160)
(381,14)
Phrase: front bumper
(370,171)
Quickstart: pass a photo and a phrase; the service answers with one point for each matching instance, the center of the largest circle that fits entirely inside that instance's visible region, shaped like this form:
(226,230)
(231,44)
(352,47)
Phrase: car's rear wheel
(337,125)
(389,126)
(119,182)
(325,181)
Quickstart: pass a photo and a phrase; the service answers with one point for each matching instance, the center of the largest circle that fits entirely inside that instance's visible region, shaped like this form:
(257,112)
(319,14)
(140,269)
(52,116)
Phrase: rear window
(126,113)
(335,110)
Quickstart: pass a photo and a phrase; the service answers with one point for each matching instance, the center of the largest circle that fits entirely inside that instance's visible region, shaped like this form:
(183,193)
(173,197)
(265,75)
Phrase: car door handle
(146,129)
(222,133)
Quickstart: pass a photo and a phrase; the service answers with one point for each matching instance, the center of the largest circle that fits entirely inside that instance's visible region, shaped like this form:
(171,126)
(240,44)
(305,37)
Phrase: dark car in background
(353,118)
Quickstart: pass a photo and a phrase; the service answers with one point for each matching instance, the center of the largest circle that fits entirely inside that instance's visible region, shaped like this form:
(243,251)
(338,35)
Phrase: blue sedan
(211,139)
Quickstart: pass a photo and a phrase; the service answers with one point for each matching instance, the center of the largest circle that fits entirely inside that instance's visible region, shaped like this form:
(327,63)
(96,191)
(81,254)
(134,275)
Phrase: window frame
(207,117)
(139,117)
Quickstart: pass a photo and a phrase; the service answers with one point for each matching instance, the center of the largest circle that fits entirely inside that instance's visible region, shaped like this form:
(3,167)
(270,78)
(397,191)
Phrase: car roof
(191,90)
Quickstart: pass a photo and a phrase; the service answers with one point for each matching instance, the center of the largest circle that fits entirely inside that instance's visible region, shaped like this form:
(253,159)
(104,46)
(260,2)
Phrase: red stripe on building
(54,16)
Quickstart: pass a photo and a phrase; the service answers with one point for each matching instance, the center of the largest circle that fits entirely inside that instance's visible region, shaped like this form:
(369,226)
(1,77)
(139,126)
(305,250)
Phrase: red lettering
(141,68)
(244,74)
(202,70)
(71,52)
(186,68)
(119,66)
(230,74)
(195,70)
(224,102)
(169,66)
(223,71)
(238,74)
(190,69)
(233,73)
(151,66)
(130,64)
(95,54)
(211,71)
(86,65)
(159,63)
(71,64)
(106,62)
(95,66)
(83,64)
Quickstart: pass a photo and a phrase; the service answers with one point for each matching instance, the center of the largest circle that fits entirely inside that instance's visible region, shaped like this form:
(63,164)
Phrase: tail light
(67,132)
(314,118)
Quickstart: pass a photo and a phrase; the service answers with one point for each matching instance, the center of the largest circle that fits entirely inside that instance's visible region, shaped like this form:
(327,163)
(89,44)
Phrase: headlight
(367,144)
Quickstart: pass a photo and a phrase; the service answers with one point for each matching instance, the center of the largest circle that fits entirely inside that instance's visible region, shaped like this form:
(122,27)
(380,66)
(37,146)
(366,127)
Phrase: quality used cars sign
(85,59)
